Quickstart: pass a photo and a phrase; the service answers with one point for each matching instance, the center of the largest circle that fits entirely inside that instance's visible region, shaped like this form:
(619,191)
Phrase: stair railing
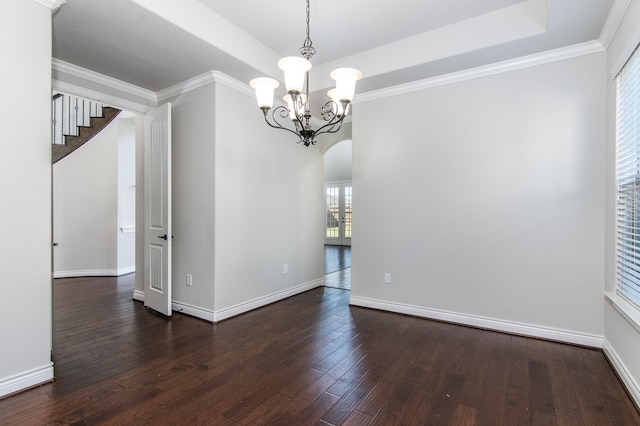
(69,113)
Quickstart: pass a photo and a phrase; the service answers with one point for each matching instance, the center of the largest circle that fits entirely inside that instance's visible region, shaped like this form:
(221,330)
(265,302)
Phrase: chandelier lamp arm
(334,120)
(283,112)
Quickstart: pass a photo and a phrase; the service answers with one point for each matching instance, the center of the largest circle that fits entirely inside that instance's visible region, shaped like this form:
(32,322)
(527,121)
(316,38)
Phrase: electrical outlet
(189,280)
(387,278)
(285,268)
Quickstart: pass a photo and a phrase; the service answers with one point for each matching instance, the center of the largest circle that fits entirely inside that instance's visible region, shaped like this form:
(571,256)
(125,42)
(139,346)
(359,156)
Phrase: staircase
(75,121)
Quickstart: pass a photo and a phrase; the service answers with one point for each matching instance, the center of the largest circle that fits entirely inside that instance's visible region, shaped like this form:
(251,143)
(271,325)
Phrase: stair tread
(85,133)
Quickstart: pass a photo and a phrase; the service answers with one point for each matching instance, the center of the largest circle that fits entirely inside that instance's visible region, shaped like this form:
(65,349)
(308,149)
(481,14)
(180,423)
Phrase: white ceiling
(155,44)
(359,24)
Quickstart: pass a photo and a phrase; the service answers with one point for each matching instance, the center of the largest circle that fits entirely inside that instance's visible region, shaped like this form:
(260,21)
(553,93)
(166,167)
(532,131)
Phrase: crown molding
(51,4)
(185,86)
(154,98)
(105,80)
(614,19)
(555,55)
(233,83)
(201,80)
(114,101)
(214,77)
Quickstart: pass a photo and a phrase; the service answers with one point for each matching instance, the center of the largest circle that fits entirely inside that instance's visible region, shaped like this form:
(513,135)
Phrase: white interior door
(157,193)
(338,197)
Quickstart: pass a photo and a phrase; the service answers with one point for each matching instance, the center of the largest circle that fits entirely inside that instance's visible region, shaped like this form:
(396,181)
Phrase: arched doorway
(338,217)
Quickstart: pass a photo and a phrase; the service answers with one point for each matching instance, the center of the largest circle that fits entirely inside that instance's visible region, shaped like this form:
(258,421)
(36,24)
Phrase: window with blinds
(628,181)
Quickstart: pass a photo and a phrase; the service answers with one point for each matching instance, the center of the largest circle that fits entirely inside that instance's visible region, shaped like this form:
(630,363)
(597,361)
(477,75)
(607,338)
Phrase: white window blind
(628,181)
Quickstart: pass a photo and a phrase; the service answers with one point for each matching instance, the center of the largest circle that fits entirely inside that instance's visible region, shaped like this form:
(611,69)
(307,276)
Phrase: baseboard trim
(126,271)
(259,302)
(241,308)
(633,388)
(138,295)
(95,273)
(180,307)
(26,380)
(510,327)
(194,311)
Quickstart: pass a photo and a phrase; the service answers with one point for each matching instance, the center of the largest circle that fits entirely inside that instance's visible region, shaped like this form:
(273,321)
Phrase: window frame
(627,181)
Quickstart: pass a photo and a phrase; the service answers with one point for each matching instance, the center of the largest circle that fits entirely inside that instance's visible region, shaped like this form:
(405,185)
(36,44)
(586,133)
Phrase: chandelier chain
(307,50)
(308,13)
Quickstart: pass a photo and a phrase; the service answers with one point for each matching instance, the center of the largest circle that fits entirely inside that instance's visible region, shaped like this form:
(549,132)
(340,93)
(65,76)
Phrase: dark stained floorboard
(310,359)
(336,258)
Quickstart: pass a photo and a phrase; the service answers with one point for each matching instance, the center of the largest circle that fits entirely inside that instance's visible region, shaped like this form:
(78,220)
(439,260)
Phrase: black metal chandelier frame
(333,112)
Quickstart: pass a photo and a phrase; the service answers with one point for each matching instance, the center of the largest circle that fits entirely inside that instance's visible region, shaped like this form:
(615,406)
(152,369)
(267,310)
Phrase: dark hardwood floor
(310,359)
(336,258)
(339,279)
(337,267)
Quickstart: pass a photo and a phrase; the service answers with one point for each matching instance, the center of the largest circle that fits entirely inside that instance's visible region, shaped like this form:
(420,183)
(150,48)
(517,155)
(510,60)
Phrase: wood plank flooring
(310,359)
(336,258)
(339,279)
(337,267)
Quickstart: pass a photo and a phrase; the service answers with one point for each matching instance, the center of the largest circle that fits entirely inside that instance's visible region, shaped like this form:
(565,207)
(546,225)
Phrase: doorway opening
(338,215)
(93,193)
(93,204)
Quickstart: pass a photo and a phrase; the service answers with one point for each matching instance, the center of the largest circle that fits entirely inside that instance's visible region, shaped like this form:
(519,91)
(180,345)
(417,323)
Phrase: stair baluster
(57,133)
(70,114)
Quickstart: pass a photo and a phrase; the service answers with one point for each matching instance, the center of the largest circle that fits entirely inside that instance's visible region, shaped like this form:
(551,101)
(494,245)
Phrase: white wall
(138,293)
(328,140)
(25,191)
(269,208)
(85,207)
(193,118)
(490,212)
(622,322)
(126,236)
(93,201)
(246,201)
(337,162)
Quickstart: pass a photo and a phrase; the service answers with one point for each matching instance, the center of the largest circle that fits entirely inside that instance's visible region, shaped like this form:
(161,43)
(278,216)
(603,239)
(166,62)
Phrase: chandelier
(296,77)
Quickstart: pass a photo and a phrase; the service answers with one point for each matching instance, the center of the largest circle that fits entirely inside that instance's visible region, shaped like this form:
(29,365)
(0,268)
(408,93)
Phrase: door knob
(164,237)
